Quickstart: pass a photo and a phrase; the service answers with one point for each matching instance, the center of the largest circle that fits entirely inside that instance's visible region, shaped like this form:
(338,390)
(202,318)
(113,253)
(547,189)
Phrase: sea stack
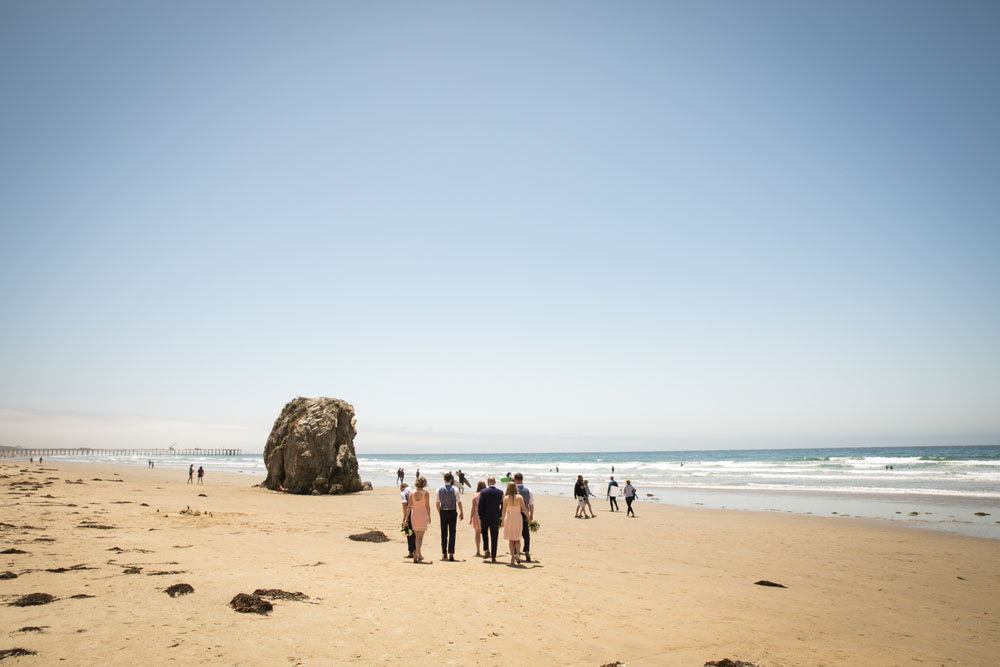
(311,448)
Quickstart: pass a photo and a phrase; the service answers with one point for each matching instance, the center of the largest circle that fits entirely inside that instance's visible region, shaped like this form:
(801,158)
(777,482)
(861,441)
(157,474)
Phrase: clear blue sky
(517,226)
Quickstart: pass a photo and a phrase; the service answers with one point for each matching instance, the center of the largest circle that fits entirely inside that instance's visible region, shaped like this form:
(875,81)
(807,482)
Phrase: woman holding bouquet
(474,518)
(513,506)
(419,514)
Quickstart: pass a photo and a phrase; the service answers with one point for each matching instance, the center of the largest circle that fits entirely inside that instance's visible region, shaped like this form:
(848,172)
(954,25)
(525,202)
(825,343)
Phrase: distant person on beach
(490,511)
(191,474)
(513,521)
(462,479)
(629,497)
(449,507)
(529,513)
(404,495)
(201,474)
(613,494)
(586,498)
(474,520)
(419,516)
(580,496)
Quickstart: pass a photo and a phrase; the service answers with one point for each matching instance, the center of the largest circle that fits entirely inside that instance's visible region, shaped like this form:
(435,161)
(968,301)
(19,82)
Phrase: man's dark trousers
(525,533)
(491,535)
(411,539)
(449,524)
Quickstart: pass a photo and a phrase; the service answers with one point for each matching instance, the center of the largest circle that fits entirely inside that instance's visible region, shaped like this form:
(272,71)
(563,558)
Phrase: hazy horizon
(557,224)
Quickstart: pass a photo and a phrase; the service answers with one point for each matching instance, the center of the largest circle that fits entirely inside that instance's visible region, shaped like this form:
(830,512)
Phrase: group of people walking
(583,494)
(512,508)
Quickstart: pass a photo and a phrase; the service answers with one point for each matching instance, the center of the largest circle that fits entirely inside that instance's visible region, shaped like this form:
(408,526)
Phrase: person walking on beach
(580,496)
(529,513)
(474,519)
(191,474)
(629,497)
(586,497)
(613,494)
(419,516)
(404,495)
(462,481)
(201,474)
(449,504)
(490,511)
(513,521)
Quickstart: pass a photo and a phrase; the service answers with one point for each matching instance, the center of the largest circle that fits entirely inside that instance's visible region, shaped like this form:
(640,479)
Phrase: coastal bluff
(311,448)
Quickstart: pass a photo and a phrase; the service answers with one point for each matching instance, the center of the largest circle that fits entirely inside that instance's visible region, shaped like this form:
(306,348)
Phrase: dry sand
(670,587)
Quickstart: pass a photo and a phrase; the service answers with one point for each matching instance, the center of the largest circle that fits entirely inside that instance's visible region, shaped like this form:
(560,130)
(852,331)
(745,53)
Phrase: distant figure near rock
(311,448)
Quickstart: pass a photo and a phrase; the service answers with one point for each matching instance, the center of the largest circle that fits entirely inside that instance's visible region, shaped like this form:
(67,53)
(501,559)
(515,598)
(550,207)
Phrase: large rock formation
(311,448)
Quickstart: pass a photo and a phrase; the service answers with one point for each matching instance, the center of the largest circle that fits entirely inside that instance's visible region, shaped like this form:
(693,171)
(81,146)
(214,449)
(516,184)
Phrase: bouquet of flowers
(534,526)
(405,529)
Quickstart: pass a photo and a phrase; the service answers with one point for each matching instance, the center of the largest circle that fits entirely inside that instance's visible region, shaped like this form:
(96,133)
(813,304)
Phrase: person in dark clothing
(490,510)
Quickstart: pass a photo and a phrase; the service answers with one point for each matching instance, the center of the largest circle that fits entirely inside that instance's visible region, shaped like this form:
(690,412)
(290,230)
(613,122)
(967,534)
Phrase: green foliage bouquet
(405,529)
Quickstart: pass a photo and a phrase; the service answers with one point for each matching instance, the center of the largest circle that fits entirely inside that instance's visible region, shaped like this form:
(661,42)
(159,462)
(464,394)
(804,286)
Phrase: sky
(518,226)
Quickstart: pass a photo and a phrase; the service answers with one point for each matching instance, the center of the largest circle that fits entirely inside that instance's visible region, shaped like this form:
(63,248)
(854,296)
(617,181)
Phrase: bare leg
(418,555)
(514,545)
(479,537)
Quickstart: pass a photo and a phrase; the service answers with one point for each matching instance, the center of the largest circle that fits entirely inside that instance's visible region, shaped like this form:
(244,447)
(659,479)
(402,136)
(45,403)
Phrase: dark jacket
(490,504)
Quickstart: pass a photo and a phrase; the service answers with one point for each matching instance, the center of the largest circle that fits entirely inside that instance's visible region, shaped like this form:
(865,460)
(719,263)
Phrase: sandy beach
(674,586)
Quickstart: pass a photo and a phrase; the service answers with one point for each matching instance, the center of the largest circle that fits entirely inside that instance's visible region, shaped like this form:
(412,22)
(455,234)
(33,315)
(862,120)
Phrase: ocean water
(933,487)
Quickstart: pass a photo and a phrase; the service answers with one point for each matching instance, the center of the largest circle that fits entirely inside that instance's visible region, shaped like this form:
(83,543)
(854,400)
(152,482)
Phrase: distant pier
(12,452)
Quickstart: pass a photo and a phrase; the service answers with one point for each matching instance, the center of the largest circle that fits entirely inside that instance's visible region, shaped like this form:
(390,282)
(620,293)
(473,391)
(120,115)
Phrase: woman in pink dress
(513,505)
(419,513)
(474,519)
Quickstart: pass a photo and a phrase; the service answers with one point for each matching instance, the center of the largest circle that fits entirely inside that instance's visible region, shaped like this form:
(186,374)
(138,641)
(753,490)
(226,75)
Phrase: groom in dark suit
(490,510)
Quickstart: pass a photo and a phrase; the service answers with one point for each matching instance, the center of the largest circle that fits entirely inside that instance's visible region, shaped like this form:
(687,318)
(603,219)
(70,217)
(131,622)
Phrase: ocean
(950,488)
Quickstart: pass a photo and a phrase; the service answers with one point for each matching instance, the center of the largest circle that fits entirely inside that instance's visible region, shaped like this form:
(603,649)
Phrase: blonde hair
(511,489)
(421,482)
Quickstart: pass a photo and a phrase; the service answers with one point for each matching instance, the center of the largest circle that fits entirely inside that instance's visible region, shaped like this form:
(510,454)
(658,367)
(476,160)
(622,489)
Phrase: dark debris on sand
(15,653)
(370,536)
(98,526)
(71,568)
(8,575)
(250,604)
(179,589)
(765,582)
(278,594)
(726,662)
(616,663)
(132,570)
(13,551)
(160,573)
(32,628)
(32,600)
(81,596)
